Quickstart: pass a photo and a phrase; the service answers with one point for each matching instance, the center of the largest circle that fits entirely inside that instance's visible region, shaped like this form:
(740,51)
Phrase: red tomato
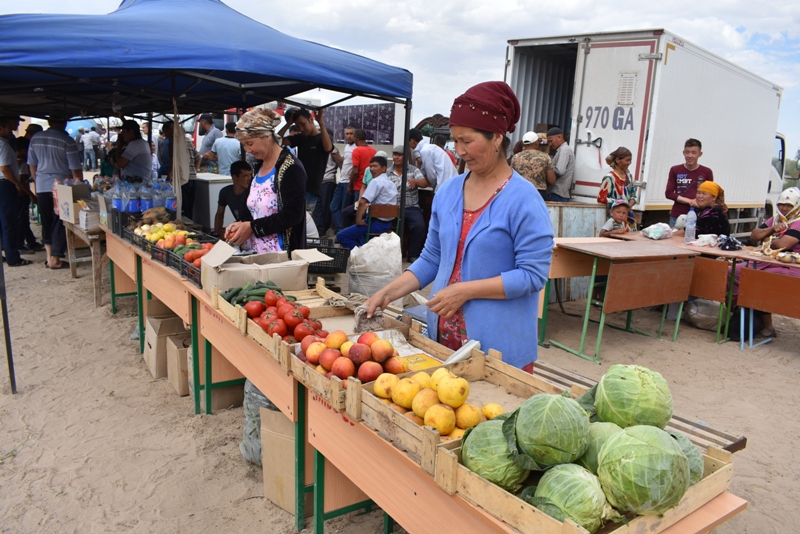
(254,309)
(293,318)
(197,263)
(269,314)
(277,327)
(263,323)
(208,246)
(316,324)
(290,340)
(301,331)
(322,333)
(281,301)
(271,297)
(286,308)
(304,310)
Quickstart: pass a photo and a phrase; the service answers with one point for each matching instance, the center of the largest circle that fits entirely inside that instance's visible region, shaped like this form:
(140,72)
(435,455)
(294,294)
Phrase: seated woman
(783,232)
(277,193)
(711,210)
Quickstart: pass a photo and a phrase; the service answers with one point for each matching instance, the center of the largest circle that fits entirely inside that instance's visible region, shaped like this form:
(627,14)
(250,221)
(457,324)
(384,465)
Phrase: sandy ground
(91,443)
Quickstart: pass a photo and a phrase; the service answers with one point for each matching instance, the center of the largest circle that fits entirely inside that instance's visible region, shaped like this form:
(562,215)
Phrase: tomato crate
(490,380)
(191,273)
(454,478)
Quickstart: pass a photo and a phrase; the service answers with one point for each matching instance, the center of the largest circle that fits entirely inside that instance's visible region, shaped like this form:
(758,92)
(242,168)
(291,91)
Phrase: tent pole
(404,182)
(7,330)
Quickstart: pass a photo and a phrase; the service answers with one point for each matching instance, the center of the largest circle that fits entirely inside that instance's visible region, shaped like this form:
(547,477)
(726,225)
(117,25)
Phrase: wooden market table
(633,269)
(386,476)
(93,238)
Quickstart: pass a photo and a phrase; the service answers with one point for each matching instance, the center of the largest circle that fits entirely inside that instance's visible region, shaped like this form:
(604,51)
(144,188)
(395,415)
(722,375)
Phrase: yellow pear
(384,385)
(404,392)
(453,391)
(438,375)
(467,415)
(424,400)
(441,417)
(492,410)
(422,378)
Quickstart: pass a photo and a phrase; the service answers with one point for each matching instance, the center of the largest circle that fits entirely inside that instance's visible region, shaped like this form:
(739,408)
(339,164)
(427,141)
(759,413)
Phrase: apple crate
(490,380)
(332,390)
(454,478)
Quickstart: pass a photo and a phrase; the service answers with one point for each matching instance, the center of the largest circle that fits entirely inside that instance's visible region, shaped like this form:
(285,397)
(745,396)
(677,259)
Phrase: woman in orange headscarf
(711,210)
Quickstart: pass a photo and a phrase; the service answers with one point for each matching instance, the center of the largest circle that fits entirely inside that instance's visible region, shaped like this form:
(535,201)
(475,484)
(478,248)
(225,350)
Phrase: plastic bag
(251,434)
(706,240)
(728,243)
(658,231)
(373,266)
(703,314)
(680,223)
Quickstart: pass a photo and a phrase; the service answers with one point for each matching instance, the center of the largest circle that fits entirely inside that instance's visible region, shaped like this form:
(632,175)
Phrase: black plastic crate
(340,256)
(160,255)
(120,220)
(191,273)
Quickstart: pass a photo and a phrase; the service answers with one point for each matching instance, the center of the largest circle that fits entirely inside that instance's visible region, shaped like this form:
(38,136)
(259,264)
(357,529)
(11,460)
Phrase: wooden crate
(454,478)
(234,313)
(420,443)
(332,390)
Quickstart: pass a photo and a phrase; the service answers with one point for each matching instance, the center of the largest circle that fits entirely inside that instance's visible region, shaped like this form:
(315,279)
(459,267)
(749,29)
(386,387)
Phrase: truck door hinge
(648,57)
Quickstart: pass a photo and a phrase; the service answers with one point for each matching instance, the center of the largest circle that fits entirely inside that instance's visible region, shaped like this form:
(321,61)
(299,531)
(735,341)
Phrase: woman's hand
(779,227)
(381,300)
(238,232)
(448,300)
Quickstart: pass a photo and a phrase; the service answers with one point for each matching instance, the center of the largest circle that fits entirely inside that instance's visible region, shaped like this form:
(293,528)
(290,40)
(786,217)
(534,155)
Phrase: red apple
(382,350)
(327,358)
(396,365)
(307,341)
(369,371)
(343,368)
(302,357)
(360,353)
(315,351)
(368,338)
(335,339)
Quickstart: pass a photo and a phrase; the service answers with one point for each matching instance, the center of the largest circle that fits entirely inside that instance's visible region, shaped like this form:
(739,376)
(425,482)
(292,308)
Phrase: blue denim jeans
(322,209)
(341,199)
(552,197)
(89,161)
(355,236)
(8,220)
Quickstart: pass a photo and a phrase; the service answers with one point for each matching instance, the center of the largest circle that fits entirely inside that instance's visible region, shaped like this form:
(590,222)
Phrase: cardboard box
(155,342)
(277,461)
(223,270)
(177,368)
(68,196)
(104,210)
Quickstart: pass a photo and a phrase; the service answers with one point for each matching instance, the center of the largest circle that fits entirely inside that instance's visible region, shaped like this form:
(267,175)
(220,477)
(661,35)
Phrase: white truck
(650,91)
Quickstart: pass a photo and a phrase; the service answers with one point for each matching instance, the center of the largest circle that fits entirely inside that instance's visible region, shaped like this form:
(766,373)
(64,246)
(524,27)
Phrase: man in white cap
(563,165)
(534,165)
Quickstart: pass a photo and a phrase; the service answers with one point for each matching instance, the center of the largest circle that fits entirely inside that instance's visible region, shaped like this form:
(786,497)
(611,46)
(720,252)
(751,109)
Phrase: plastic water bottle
(133,200)
(116,198)
(170,200)
(691,227)
(145,198)
(158,195)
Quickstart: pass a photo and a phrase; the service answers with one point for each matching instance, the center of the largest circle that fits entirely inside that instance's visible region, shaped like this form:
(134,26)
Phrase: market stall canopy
(135,59)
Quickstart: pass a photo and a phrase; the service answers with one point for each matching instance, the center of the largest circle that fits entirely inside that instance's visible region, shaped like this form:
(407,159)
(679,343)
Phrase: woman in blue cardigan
(489,242)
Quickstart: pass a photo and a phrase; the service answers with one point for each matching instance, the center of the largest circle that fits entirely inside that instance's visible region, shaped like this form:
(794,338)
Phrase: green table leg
(677,322)
(300,488)
(586,321)
(729,302)
(543,320)
(140,302)
(319,493)
(208,386)
(388,524)
(663,318)
(195,358)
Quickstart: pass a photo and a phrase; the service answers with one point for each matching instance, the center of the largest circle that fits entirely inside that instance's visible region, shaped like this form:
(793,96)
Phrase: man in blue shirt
(226,150)
(381,190)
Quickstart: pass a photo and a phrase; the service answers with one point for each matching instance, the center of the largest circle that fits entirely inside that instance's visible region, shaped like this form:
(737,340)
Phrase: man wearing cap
(534,165)
(211,134)
(413,221)
(136,160)
(53,155)
(436,166)
(563,165)
(226,150)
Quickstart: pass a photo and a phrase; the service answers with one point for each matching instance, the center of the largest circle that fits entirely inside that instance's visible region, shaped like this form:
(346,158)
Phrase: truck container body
(650,91)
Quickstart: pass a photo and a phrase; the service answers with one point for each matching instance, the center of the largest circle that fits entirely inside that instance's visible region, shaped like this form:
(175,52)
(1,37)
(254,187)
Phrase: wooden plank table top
(710,515)
(629,250)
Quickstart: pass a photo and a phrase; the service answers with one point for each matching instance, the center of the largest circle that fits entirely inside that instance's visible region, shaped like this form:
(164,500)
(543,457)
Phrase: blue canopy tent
(139,57)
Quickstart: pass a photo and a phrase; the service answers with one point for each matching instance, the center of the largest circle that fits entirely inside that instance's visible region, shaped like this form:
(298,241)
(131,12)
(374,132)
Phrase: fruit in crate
(396,366)
(343,368)
(399,409)
(422,378)
(335,339)
(492,410)
(359,353)
(384,385)
(404,392)
(467,416)
(368,338)
(453,391)
(327,358)
(345,348)
(423,401)
(369,371)
(411,416)
(382,350)
(457,433)
(438,375)
(314,352)
(441,417)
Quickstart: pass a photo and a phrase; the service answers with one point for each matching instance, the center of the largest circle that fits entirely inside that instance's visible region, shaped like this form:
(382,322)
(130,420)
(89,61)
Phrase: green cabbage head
(485,452)
(552,429)
(570,491)
(643,470)
(629,395)
(598,435)
(696,464)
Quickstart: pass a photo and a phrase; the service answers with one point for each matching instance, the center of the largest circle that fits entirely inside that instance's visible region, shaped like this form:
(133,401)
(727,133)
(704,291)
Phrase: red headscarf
(489,106)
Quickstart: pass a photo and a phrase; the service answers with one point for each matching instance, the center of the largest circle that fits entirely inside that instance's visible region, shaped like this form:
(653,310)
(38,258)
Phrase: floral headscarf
(258,122)
(789,196)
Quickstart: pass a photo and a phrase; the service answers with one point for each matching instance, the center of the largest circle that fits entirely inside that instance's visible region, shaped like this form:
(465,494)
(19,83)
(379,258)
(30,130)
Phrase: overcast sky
(449,45)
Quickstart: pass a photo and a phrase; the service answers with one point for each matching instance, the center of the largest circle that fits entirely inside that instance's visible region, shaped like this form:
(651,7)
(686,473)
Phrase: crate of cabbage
(416,411)
(599,463)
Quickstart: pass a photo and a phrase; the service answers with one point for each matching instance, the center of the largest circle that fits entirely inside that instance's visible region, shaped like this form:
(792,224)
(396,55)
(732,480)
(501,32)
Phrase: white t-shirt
(347,164)
(140,161)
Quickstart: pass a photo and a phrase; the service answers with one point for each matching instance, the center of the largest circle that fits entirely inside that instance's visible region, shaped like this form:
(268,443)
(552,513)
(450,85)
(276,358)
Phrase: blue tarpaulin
(137,58)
